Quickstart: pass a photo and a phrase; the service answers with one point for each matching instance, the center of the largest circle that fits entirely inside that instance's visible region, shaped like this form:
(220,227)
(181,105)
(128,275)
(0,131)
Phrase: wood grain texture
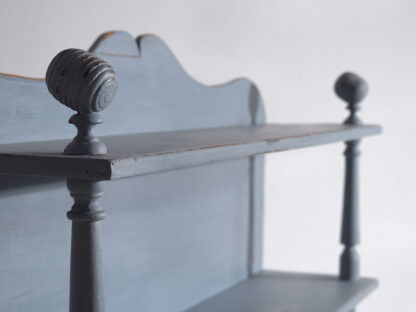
(139,154)
(166,235)
(284,292)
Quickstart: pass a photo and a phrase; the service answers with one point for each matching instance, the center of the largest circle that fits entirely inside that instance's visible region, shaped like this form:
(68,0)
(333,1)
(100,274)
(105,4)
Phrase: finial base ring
(85,143)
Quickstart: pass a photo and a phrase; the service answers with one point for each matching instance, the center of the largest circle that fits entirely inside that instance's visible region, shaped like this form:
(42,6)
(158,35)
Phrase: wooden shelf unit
(187,234)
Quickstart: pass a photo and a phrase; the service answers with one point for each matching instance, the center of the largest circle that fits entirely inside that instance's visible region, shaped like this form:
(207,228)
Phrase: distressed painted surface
(170,240)
(165,236)
(87,84)
(154,94)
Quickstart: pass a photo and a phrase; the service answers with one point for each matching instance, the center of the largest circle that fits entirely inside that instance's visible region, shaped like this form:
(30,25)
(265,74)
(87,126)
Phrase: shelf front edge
(77,168)
(127,167)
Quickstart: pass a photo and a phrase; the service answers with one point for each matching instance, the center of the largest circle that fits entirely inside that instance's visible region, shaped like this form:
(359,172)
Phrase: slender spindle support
(351,89)
(86,280)
(86,84)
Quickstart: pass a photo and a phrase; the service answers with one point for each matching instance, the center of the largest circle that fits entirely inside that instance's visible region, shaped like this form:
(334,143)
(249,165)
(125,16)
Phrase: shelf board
(289,292)
(145,153)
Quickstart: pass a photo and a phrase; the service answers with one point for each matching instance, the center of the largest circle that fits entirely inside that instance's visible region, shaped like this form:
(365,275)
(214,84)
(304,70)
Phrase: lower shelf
(289,292)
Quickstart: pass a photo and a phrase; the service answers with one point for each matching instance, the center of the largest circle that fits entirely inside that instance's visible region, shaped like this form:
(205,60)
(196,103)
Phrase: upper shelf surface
(145,153)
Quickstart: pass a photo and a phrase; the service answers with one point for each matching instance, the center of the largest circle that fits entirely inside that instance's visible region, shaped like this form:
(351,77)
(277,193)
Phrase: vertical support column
(87,84)
(352,89)
(86,281)
(350,234)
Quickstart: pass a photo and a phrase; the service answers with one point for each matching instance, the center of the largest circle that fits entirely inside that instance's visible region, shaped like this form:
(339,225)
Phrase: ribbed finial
(87,84)
(352,89)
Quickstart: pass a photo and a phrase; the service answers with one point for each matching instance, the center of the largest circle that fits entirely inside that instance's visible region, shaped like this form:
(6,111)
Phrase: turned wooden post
(87,84)
(86,280)
(352,89)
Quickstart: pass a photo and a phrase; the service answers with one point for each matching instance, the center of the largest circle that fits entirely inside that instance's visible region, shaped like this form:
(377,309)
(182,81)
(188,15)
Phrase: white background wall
(293,50)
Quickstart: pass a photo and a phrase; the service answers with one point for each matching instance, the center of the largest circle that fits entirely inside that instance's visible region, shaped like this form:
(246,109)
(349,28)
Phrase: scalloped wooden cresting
(154,94)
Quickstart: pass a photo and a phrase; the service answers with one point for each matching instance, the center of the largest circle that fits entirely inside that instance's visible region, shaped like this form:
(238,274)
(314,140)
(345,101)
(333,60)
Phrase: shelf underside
(288,292)
(145,153)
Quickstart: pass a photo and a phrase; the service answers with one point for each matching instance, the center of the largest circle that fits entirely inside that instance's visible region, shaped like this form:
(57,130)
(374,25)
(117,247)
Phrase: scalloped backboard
(155,94)
(170,239)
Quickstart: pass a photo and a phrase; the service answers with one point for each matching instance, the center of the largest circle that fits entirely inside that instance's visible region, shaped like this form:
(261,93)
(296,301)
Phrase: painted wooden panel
(170,239)
(154,94)
(180,235)
(34,249)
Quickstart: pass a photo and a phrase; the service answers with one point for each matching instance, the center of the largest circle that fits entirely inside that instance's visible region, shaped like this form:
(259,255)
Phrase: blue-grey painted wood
(350,232)
(178,235)
(162,228)
(255,237)
(87,84)
(154,94)
(139,154)
(116,43)
(34,249)
(86,281)
(173,238)
(352,89)
(284,292)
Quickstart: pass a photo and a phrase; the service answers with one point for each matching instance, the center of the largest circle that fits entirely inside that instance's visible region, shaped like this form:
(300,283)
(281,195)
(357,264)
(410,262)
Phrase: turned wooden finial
(87,84)
(352,89)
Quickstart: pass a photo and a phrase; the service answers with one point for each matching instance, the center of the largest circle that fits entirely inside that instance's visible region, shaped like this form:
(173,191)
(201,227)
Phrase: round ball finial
(87,84)
(81,80)
(351,88)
